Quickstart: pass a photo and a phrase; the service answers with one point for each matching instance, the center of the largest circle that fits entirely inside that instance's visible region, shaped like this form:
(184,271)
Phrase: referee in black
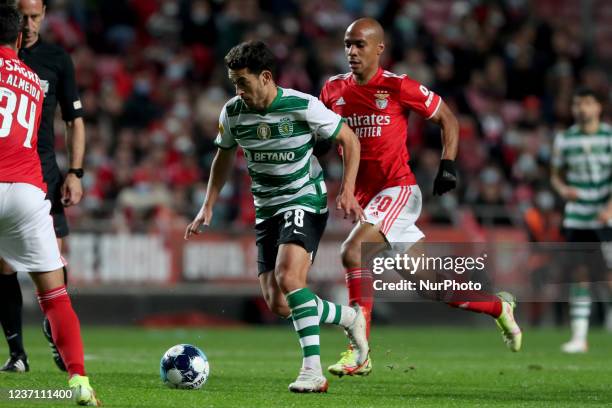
(56,72)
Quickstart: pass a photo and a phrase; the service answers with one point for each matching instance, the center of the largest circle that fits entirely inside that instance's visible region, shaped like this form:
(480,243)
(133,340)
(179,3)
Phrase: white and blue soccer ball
(184,366)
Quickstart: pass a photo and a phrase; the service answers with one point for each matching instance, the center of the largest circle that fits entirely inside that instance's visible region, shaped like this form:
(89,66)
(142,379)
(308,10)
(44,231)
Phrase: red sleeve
(324,96)
(419,98)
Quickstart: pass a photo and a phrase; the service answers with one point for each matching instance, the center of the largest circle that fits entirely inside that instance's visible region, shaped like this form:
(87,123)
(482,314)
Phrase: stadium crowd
(152,84)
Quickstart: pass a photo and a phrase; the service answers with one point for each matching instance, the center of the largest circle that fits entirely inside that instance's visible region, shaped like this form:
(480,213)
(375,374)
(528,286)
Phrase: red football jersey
(378,114)
(21,99)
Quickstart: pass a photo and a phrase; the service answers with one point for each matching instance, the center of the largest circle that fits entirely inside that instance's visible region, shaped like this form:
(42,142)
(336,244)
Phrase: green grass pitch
(413,366)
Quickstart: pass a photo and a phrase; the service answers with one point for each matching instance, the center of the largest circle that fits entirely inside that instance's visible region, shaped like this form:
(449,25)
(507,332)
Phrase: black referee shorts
(54,182)
(292,226)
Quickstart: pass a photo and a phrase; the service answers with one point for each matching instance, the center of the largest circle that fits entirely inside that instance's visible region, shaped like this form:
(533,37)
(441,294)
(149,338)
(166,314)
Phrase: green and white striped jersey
(277,144)
(587,161)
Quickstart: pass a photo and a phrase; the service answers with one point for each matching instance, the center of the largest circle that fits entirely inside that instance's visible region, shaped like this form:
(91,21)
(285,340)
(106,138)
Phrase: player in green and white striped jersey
(277,144)
(277,129)
(582,175)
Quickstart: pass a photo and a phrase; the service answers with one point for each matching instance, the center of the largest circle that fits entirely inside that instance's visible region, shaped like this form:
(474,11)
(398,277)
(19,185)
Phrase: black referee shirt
(56,72)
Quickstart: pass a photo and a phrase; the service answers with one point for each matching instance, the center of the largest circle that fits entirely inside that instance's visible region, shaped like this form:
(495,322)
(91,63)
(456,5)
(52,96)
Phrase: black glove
(446,179)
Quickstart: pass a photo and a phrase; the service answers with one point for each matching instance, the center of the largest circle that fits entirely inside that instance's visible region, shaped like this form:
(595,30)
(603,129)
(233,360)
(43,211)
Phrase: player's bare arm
(605,215)
(72,189)
(219,172)
(446,179)
(346,200)
(450,131)
(557,181)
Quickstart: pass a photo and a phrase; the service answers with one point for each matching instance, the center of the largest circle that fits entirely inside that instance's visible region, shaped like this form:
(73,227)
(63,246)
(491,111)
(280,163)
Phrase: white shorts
(394,211)
(27,238)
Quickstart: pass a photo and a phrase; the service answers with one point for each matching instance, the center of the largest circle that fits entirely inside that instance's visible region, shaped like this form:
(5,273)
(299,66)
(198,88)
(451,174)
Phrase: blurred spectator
(153,83)
(489,198)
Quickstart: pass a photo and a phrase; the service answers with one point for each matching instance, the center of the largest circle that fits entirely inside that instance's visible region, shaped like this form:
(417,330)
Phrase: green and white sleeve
(225,139)
(324,123)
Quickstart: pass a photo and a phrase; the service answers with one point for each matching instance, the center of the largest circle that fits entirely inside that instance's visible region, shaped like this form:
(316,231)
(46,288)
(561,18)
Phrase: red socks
(65,328)
(359,284)
(477,301)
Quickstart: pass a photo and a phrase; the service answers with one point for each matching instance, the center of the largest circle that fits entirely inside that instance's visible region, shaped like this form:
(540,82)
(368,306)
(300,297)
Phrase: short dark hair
(10,23)
(583,91)
(254,55)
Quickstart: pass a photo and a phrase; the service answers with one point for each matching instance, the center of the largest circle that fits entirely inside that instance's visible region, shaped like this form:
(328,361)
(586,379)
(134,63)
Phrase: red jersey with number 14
(378,114)
(21,99)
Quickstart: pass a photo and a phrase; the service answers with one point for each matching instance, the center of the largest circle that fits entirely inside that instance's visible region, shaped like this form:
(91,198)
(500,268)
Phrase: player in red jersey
(27,238)
(376,104)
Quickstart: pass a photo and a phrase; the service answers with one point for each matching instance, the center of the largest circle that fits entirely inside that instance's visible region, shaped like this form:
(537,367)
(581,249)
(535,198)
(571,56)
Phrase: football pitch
(251,367)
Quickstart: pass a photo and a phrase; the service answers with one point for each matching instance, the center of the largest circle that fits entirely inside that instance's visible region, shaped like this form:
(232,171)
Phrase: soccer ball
(184,366)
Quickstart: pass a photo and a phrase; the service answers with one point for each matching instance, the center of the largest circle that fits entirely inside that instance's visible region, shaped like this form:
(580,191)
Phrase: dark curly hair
(10,23)
(582,91)
(254,55)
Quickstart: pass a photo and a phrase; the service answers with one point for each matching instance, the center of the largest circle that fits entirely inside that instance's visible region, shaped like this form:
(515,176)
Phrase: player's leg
(291,269)
(60,226)
(30,246)
(590,269)
(328,312)
(580,313)
(358,276)
(606,252)
(401,228)
(352,320)
(55,304)
(267,240)
(299,238)
(267,236)
(380,212)
(11,303)
(500,306)
(46,326)
(274,297)
(358,280)
(477,301)
(579,293)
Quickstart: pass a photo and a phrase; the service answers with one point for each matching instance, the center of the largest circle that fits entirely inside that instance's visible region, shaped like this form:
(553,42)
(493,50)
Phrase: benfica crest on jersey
(263,131)
(381,99)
